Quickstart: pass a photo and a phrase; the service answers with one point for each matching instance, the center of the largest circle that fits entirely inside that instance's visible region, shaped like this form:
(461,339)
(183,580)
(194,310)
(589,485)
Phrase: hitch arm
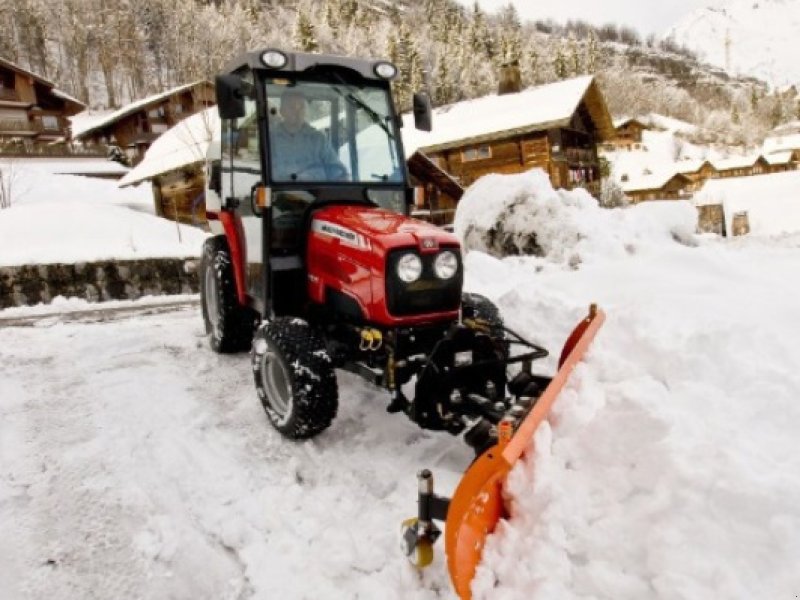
(420,532)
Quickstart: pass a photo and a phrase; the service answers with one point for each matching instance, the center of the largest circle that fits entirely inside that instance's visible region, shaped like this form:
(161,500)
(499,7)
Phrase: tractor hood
(379,229)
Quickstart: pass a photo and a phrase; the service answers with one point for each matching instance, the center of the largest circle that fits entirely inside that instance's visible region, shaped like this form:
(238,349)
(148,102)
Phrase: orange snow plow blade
(477,504)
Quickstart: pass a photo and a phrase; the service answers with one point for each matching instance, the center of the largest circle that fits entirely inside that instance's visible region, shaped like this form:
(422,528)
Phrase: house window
(156,113)
(50,122)
(479,153)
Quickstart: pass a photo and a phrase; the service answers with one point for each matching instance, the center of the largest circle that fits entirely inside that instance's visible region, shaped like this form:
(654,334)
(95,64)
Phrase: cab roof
(298,62)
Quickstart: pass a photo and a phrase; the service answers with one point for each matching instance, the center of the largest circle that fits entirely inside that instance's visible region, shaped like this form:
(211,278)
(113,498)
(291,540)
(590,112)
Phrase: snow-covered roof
(780,158)
(668,123)
(779,143)
(735,162)
(619,122)
(691,165)
(491,117)
(650,181)
(184,144)
(133,107)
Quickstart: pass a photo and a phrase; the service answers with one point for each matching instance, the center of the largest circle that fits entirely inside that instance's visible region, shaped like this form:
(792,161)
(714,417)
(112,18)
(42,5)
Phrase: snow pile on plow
(506,215)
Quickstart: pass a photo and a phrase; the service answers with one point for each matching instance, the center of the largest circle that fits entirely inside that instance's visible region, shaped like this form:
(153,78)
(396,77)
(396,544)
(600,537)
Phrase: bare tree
(10,182)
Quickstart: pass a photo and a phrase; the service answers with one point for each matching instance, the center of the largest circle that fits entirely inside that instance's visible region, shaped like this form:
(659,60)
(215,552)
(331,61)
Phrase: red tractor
(317,265)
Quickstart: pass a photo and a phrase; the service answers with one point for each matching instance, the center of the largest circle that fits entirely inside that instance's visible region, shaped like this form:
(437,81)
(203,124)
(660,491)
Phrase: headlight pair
(409,267)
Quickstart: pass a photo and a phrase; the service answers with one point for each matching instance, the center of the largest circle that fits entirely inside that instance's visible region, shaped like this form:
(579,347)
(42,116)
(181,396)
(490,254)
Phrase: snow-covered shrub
(508,215)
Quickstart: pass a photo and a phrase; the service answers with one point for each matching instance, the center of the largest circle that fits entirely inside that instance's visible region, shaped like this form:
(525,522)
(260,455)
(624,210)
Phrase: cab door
(244,170)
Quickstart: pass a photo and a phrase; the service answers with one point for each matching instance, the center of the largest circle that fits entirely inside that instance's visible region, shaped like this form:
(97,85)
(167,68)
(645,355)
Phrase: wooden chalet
(666,186)
(627,134)
(32,110)
(741,166)
(698,172)
(788,160)
(135,126)
(555,127)
(174,166)
(438,193)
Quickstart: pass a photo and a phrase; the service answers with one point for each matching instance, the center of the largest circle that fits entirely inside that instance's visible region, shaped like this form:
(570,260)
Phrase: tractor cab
(301,132)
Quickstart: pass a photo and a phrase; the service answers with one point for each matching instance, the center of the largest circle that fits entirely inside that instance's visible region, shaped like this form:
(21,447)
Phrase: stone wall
(97,281)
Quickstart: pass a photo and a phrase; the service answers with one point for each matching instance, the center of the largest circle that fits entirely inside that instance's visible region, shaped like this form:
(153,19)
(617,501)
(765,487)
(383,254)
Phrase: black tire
(229,324)
(294,377)
(483,310)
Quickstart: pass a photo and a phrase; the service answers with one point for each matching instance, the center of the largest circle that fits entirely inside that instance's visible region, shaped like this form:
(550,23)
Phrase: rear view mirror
(230,96)
(422,112)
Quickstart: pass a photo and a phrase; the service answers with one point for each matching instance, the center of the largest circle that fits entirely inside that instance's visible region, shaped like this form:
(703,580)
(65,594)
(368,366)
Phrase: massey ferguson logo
(347,236)
(429,244)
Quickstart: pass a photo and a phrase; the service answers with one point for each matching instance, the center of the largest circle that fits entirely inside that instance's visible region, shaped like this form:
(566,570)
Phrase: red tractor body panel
(347,252)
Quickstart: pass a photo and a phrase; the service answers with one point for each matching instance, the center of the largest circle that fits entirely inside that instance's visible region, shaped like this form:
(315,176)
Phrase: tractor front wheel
(294,377)
(483,311)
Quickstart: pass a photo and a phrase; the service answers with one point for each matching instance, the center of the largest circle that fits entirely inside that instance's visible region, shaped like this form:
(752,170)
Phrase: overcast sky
(647,16)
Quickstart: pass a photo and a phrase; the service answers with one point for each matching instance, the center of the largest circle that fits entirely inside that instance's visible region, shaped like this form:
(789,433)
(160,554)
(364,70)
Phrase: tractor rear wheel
(294,377)
(229,324)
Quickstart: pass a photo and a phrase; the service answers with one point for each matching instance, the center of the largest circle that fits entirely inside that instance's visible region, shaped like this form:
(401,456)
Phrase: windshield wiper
(358,101)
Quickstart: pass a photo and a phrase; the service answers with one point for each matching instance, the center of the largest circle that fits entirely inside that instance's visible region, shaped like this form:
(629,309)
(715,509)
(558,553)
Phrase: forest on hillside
(109,52)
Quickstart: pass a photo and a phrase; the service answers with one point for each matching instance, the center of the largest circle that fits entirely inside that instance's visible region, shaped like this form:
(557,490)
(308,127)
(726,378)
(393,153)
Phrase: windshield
(331,132)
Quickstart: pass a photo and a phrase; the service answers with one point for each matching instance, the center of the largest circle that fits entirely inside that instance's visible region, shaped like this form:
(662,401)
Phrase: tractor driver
(300,152)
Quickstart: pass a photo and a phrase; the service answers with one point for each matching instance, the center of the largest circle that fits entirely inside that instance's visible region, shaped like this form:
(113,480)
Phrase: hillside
(754,37)
(455,51)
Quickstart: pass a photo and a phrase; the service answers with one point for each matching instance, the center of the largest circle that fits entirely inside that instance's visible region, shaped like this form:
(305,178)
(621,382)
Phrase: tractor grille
(428,294)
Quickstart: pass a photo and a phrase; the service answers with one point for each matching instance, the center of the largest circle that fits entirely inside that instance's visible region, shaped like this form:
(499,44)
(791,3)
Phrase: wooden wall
(180,195)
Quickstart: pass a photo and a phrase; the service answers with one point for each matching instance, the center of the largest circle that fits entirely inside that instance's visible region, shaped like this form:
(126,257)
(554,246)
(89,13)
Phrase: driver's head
(293,108)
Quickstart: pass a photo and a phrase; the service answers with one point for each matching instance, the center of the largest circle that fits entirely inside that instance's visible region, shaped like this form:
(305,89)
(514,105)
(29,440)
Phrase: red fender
(232,224)
(477,505)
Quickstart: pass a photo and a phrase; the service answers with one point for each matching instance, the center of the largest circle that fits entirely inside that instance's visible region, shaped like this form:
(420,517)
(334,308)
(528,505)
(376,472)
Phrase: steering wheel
(335,171)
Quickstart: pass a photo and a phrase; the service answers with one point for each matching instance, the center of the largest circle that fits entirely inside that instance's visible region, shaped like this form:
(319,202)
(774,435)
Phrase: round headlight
(409,268)
(274,59)
(385,70)
(446,265)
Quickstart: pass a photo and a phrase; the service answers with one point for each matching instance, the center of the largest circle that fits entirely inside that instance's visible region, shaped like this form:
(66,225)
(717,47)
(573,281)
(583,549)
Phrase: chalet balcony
(580,155)
(19,127)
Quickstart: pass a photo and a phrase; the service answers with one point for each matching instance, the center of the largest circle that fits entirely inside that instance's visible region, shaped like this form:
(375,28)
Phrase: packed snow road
(136,463)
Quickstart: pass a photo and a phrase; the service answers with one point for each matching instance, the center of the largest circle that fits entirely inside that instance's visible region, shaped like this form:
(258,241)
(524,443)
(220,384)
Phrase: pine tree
(574,57)
(592,53)
(560,63)
(305,37)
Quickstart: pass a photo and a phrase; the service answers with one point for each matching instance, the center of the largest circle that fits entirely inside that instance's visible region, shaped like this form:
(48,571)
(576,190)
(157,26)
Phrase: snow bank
(772,202)
(39,181)
(40,233)
(669,468)
(523,215)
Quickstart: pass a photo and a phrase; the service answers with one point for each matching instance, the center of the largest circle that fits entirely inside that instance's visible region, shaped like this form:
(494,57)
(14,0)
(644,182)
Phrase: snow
(135,462)
(493,114)
(89,231)
(523,214)
(746,37)
(772,202)
(184,144)
(781,142)
(67,218)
